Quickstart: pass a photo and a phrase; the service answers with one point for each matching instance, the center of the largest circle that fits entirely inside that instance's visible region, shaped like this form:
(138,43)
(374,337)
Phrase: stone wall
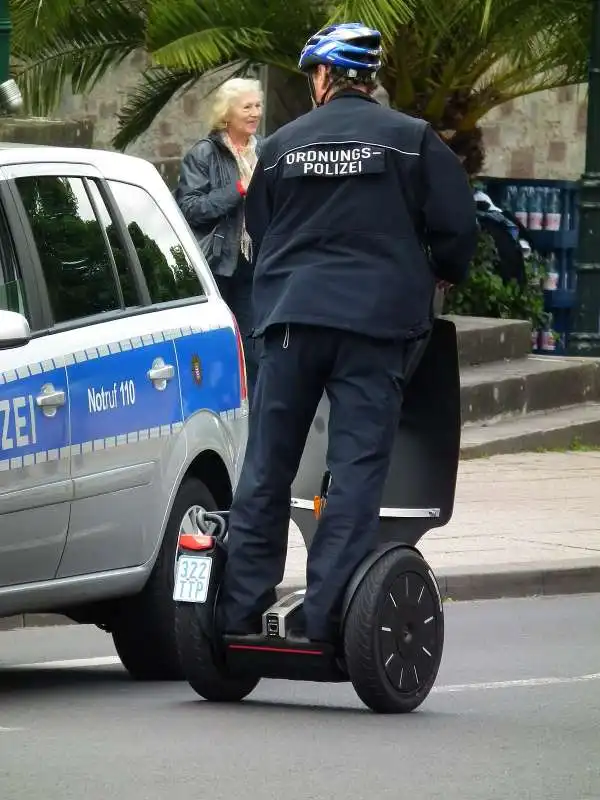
(538,136)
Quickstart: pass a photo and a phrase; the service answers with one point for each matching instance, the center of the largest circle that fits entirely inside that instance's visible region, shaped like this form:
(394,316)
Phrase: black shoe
(296,632)
(251,627)
(244,631)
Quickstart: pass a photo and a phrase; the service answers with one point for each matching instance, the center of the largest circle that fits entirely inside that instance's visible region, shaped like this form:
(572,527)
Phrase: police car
(123,405)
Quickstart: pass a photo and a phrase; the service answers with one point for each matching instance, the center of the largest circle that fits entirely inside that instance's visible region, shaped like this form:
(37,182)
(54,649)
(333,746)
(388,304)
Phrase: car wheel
(144,631)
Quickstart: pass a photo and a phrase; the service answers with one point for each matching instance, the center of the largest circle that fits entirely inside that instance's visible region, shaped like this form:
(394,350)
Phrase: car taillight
(242,364)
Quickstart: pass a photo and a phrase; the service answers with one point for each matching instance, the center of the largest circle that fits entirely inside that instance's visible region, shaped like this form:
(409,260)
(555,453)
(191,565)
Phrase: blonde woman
(214,177)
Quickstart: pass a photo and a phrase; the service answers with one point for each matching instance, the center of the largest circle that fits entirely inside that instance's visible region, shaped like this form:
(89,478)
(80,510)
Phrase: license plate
(192,579)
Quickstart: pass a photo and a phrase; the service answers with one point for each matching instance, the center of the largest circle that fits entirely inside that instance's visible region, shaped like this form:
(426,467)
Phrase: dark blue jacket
(354,210)
(209,200)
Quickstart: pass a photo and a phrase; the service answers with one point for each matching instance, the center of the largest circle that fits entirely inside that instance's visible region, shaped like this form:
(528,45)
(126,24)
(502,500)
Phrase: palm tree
(449,61)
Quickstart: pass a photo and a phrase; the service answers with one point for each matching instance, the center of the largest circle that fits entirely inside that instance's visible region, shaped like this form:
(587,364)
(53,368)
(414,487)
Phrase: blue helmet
(350,46)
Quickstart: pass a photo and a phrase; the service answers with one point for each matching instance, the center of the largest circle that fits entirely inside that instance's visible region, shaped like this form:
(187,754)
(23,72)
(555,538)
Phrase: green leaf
(384,15)
(205,50)
(90,40)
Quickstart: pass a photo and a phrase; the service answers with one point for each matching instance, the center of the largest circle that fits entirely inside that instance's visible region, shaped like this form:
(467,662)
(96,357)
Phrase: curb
(456,584)
(581,576)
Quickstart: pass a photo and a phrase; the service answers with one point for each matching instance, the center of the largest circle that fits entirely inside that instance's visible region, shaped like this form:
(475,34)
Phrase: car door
(121,368)
(35,482)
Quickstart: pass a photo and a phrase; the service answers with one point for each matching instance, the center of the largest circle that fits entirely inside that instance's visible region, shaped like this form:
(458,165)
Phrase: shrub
(486,294)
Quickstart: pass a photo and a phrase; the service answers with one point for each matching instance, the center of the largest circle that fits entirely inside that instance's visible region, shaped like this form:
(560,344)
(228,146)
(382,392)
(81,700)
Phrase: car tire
(144,632)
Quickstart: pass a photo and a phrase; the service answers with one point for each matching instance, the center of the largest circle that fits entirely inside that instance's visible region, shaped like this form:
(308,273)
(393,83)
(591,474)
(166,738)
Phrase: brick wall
(538,136)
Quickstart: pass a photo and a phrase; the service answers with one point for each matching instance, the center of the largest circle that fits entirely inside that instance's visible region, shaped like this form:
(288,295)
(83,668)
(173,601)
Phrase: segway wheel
(394,633)
(200,662)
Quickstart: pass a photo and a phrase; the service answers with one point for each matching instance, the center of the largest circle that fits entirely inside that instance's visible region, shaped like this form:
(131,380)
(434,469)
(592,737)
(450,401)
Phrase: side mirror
(14,330)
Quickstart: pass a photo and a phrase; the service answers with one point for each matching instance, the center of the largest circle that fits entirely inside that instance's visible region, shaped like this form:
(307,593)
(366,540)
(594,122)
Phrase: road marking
(10,730)
(471,687)
(73,663)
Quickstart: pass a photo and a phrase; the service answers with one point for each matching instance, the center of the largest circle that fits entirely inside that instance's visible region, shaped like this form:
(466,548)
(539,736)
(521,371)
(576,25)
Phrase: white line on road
(10,730)
(72,663)
(109,661)
(525,682)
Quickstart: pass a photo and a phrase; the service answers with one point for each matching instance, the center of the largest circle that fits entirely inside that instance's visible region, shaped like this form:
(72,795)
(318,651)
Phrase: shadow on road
(13,679)
(300,708)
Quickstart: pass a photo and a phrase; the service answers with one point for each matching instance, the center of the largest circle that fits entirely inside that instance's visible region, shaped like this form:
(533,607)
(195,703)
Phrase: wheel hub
(407,635)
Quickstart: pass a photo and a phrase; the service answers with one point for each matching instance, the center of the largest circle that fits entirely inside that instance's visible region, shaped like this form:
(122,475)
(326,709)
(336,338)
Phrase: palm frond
(207,33)
(210,48)
(36,21)
(384,15)
(93,38)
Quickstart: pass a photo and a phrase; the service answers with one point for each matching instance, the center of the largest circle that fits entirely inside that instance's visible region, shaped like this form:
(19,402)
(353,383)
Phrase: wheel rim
(408,632)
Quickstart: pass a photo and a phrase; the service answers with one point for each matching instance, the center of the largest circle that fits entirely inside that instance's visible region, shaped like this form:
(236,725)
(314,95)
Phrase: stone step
(482,340)
(557,429)
(535,383)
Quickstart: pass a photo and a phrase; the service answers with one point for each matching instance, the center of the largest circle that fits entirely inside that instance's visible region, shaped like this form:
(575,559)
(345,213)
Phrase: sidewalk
(523,524)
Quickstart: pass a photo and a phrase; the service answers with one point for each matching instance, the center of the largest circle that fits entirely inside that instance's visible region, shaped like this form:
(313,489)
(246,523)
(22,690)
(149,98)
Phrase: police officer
(355,211)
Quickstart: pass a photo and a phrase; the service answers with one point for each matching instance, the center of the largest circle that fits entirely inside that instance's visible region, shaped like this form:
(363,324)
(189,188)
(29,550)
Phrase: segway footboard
(420,488)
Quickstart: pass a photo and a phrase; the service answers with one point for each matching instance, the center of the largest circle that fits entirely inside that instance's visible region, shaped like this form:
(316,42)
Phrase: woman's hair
(226,95)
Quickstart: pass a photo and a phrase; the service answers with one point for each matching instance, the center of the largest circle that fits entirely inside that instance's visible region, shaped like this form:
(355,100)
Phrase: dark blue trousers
(363,379)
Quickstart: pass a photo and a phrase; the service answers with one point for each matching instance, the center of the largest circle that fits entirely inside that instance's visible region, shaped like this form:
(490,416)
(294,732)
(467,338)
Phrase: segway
(391,630)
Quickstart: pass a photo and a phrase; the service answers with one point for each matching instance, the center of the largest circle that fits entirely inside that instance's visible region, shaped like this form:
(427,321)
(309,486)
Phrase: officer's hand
(444,285)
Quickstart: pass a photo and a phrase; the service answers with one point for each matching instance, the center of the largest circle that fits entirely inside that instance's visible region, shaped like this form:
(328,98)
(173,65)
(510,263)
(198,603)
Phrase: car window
(168,272)
(130,294)
(78,266)
(12,291)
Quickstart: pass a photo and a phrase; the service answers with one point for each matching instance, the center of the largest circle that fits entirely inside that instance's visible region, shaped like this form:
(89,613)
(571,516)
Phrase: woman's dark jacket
(209,199)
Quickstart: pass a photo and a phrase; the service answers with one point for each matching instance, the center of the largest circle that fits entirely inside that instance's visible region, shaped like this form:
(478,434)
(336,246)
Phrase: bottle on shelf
(536,208)
(552,280)
(521,211)
(548,339)
(553,216)
(510,198)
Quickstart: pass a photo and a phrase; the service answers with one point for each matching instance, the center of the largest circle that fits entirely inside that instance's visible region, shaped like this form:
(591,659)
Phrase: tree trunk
(469,147)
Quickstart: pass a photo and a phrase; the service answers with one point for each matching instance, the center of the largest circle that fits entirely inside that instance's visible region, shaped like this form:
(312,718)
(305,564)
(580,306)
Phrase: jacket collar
(353,93)
(217,138)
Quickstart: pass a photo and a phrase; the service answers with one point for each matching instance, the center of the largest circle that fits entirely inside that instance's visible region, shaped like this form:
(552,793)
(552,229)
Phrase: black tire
(393,631)
(144,631)
(202,665)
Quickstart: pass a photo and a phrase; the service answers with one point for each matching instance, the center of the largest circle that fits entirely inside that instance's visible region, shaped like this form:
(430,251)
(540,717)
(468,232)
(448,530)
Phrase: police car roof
(108,162)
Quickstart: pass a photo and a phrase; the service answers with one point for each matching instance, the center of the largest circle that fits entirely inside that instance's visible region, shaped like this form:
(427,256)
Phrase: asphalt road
(515,714)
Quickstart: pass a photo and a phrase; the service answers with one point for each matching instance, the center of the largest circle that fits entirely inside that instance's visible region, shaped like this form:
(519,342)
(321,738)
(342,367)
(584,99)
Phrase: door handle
(51,399)
(160,373)
(164,373)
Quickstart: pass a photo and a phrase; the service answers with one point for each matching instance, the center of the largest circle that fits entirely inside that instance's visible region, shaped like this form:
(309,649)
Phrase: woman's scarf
(246,161)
